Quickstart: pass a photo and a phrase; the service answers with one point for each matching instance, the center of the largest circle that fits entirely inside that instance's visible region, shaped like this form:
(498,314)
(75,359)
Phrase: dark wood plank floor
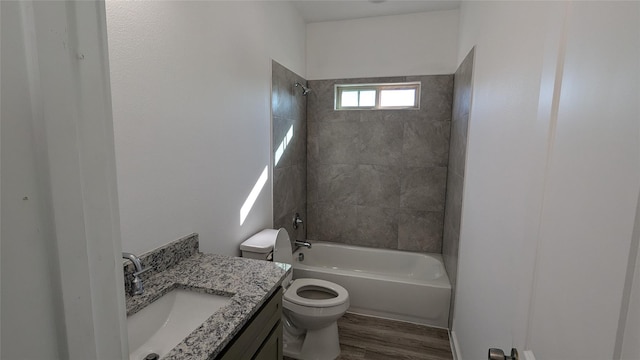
(370,338)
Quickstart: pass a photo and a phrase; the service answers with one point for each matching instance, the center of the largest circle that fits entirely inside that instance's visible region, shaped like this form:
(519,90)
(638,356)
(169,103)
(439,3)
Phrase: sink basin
(163,324)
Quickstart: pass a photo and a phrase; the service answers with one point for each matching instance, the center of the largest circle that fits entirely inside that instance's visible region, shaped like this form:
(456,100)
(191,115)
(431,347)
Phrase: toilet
(311,307)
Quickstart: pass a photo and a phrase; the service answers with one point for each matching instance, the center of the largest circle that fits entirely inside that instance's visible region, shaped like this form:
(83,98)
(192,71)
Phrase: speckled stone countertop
(248,282)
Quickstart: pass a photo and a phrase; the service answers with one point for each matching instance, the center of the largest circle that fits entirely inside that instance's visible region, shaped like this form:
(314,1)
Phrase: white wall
(552,176)
(592,185)
(62,280)
(416,44)
(503,164)
(191,85)
(28,281)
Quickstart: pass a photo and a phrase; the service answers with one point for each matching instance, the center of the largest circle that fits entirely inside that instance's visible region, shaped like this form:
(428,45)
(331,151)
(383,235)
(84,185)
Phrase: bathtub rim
(442,282)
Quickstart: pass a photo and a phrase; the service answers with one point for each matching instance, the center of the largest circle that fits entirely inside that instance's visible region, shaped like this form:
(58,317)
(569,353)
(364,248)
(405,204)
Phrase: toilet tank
(257,255)
(259,246)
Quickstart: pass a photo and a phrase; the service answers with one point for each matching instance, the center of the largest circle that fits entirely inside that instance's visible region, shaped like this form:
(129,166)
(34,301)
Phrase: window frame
(378,87)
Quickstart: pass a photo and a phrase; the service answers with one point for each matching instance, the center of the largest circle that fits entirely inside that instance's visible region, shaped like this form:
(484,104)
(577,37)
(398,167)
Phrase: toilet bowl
(311,307)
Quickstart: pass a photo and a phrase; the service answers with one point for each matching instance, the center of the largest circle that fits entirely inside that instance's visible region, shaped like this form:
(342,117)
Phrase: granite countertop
(248,282)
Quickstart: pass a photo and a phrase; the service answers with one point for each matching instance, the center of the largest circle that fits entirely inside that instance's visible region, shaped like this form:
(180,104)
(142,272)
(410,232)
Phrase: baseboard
(455,348)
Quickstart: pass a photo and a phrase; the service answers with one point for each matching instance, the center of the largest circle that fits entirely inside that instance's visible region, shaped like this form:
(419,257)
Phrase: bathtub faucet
(299,243)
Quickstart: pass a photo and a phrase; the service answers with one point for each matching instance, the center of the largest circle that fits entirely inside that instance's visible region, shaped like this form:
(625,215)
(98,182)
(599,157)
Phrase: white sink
(163,324)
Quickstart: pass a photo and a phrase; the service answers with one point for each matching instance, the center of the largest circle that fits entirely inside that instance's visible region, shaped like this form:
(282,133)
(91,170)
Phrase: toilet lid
(282,252)
(341,294)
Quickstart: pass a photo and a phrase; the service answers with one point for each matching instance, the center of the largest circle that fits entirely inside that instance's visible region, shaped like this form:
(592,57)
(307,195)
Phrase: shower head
(305,90)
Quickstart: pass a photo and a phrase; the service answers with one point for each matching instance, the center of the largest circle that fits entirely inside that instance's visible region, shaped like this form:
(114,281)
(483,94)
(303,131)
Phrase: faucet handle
(296,220)
(136,274)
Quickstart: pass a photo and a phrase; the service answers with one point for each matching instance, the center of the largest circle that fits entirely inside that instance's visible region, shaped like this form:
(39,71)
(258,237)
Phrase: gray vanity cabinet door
(261,338)
(272,347)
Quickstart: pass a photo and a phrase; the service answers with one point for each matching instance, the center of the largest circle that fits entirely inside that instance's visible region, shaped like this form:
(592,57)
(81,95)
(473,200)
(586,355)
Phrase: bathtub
(391,284)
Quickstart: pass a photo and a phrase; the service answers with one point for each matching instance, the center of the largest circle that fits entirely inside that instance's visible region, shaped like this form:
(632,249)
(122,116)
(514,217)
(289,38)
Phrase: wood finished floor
(370,338)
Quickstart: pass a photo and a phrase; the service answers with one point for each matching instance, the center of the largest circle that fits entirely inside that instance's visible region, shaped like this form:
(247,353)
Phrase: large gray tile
(462,86)
(281,91)
(320,101)
(457,149)
(423,188)
(313,143)
(453,203)
(287,100)
(460,124)
(381,142)
(461,100)
(460,121)
(451,231)
(436,96)
(450,245)
(299,188)
(379,186)
(283,197)
(298,144)
(312,182)
(377,227)
(331,222)
(280,127)
(289,190)
(388,116)
(426,143)
(420,231)
(337,183)
(299,103)
(289,112)
(338,143)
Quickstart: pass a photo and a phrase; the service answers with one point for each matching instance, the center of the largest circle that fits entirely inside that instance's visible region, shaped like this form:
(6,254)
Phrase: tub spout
(299,243)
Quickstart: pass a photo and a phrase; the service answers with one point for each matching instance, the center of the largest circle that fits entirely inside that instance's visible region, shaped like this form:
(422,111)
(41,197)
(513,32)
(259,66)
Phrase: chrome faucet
(136,284)
(300,243)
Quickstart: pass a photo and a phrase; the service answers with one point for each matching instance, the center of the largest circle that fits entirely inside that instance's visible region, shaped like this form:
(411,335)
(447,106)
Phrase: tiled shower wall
(455,179)
(378,178)
(289,112)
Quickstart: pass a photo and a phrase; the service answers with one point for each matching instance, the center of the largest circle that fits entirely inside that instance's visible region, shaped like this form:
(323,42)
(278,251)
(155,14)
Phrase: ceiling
(331,10)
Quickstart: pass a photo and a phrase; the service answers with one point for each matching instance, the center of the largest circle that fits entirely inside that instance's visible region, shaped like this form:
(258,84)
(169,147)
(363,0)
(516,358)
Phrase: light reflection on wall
(253,195)
(283,145)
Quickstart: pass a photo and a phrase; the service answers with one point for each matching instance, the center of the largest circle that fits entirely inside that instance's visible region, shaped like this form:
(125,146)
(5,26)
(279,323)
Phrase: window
(377,96)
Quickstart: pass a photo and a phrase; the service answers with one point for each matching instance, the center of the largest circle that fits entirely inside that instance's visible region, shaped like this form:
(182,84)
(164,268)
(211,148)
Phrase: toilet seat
(311,318)
(341,297)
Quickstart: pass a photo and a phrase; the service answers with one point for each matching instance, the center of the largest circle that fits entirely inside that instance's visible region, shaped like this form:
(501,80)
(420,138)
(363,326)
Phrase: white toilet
(311,307)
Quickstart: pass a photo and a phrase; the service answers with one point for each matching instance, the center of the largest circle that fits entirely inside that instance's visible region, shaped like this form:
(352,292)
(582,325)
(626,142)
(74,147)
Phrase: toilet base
(319,344)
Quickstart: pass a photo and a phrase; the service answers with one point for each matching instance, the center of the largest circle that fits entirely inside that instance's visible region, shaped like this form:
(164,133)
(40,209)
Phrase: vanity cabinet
(261,337)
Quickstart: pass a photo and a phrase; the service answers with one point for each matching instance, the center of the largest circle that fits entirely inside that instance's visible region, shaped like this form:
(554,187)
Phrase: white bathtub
(391,284)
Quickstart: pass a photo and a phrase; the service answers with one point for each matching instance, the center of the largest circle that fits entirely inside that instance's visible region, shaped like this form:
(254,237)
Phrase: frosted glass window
(377,96)
(349,98)
(397,98)
(368,98)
